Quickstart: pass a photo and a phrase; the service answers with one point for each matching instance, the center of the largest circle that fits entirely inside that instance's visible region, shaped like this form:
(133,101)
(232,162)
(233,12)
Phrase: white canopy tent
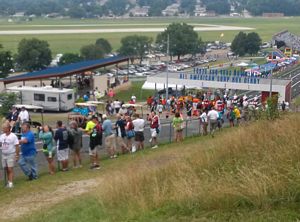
(242,64)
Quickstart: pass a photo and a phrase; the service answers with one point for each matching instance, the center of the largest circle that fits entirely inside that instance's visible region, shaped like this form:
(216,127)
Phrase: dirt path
(38,200)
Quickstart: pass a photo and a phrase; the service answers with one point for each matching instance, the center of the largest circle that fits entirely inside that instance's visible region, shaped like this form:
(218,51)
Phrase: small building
(272,15)
(171,10)
(140,11)
(199,11)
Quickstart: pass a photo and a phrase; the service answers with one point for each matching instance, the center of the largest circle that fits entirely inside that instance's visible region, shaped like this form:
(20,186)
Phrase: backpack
(70,139)
(232,115)
(96,136)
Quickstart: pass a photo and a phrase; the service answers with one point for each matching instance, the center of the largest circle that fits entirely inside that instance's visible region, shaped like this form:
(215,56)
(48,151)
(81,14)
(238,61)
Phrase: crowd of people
(126,134)
(121,129)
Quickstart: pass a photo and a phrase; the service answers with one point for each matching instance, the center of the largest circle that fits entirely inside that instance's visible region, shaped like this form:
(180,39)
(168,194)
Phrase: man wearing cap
(94,130)
(9,145)
(23,115)
(110,142)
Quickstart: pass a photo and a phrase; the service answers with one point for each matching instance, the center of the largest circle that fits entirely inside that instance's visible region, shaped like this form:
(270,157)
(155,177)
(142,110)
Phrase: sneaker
(154,147)
(30,177)
(115,156)
(97,167)
(10,185)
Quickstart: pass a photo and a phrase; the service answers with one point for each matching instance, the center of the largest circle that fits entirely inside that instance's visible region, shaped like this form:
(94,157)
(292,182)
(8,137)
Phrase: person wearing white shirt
(9,145)
(139,125)
(23,115)
(203,118)
(117,105)
(212,117)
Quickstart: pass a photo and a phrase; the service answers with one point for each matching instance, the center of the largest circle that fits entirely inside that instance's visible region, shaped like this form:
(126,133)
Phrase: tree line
(177,40)
(92,8)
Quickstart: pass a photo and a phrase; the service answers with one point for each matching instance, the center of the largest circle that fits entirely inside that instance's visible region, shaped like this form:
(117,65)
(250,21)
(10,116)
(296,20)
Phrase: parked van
(51,99)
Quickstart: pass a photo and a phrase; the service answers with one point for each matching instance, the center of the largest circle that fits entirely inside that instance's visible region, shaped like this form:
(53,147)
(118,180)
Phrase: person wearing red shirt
(154,129)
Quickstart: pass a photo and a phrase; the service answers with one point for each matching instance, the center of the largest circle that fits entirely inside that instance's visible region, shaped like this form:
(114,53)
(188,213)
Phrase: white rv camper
(51,99)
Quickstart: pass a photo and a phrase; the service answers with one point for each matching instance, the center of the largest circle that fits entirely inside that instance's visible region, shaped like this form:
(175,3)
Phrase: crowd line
(126,133)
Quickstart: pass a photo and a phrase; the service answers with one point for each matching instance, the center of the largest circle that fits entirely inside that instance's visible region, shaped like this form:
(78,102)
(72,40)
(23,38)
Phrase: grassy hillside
(243,174)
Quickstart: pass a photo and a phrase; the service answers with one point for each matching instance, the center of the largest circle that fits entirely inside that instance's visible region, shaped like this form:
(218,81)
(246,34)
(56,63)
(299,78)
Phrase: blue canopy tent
(66,70)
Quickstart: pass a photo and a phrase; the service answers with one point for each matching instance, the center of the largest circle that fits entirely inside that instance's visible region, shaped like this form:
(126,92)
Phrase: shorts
(153,132)
(93,152)
(139,136)
(110,141)
(8,160)
(63,154)
(47,154)
(76,149)
(120,142)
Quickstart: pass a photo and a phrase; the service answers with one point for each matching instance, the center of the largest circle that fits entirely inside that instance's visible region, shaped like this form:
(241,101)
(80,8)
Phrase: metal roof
(65,70)
(39,89)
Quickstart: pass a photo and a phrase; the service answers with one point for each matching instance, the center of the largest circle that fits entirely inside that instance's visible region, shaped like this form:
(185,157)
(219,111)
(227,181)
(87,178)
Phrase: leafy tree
(272,111)
(219,6)
(182,40)
(6,62)
(117,7)
(135,46)
(33,54)
(156,6)
(69,58)
(238,45)
(246,43)
(188,6)
(77,12)
(104,44)
(7,100)
(253,43)
(92,51)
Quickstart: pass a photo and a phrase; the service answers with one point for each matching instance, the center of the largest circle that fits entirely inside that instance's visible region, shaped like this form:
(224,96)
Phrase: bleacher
(291,40)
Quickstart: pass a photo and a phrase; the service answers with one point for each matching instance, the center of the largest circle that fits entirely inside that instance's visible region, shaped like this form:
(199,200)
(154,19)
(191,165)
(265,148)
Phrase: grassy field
(135,89)
(244,174)
(266,27)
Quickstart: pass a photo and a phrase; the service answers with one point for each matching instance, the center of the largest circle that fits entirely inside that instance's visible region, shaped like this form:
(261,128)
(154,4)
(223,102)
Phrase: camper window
(39,97)
(70,96)
(52,99)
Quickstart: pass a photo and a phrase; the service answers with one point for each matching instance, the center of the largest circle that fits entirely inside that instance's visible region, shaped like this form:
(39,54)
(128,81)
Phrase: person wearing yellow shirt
(90,126)
(237,115)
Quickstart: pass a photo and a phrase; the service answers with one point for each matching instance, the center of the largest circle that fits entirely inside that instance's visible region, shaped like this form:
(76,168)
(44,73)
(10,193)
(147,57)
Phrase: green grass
(266,27)
(135,89)
(243,174)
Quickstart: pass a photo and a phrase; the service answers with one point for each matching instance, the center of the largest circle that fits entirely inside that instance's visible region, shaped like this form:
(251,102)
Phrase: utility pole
(168,57)
(271,79)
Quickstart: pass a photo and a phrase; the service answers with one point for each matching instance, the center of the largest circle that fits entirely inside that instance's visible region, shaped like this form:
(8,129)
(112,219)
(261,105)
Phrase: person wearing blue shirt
(110,143)
(27,160)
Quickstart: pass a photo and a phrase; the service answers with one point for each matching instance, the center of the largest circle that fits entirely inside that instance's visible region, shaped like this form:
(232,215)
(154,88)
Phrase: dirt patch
(24,205)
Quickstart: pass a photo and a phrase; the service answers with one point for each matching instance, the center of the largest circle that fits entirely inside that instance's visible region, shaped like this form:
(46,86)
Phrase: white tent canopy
(160,86)
(242,64)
